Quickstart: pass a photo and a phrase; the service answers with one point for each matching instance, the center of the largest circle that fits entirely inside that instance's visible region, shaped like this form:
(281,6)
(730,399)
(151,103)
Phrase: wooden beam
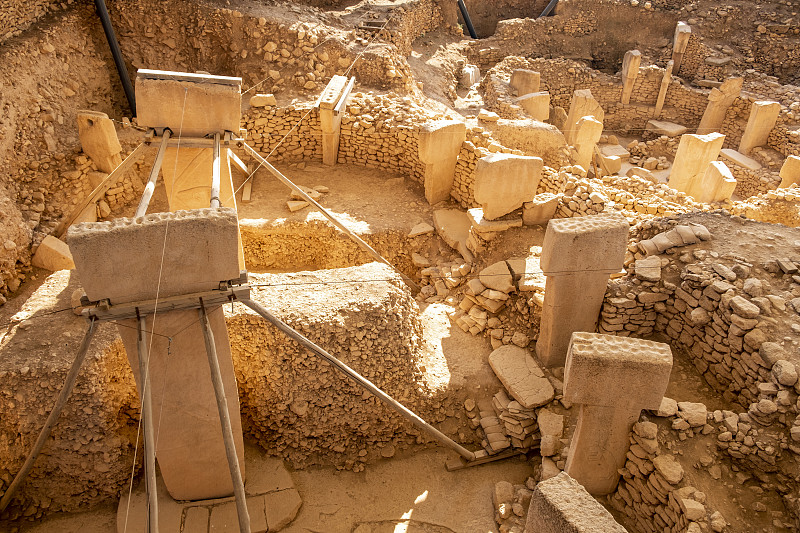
(100,190)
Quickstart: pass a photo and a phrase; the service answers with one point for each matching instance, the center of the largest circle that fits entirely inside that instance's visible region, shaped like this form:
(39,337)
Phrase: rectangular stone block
(716,185)
(561,505)
(503,182)
(790,171)
(122,260)
(606,370)
(193,105)
(663,127)
(525,81)
(438,147)
(763,116)
(694,154)
(537,105)
(582,105)
(739,159)
(594,243)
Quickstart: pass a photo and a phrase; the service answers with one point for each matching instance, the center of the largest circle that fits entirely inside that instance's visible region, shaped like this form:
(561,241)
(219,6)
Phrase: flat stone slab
(663,127)
(503,182)
(611,150)
(497,276)
(740,159)
(122,260)
(521,376)
(561,505)
(482,225)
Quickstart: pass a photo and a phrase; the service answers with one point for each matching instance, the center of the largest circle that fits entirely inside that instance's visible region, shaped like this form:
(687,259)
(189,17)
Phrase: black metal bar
(72,376)
(467,20)
(549,8)
(122,70)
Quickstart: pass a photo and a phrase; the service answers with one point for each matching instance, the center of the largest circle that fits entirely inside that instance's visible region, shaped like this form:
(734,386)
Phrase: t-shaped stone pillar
(331,106)
(612,379)
(682,33)
(763,116)
(662,91)
(695,153)
(438,147)
(719,100)
(578,255)
(630,71)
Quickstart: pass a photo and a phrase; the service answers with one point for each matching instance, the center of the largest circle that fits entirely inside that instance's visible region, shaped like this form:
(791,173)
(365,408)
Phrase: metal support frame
(147,422)
(215,174)
(225,421)
(151,183)
(44,434)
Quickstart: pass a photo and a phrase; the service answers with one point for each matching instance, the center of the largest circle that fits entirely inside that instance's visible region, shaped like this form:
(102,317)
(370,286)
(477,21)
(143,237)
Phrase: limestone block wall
(753,182)
(14,254)
(653,492)
(267,127)
(301,408)
(779,206)
(412,20)
(696,313)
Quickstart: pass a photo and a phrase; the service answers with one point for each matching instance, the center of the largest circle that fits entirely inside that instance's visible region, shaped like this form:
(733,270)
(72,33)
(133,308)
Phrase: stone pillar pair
(584,126)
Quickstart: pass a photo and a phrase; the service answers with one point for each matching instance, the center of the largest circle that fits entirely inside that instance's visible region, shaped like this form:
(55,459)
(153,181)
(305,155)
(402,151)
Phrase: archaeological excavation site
(399,266)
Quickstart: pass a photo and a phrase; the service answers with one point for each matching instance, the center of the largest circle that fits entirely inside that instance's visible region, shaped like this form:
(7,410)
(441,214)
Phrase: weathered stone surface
(503,182)
(561,505)
(667,466)
(785,372)
(281,508)
(649,268)
(453,227)
(745,309)
(550,423)
(668,407)
(521,376)
(662,127)
(694,413)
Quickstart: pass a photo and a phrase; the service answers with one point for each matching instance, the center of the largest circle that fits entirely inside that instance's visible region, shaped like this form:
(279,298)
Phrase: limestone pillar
(763,116)
(662,91)
(525,81)
(583,104)
(682,34)
(694,154)
(122,261)
(790,171)
(578,255)
(504,182)
(630,71)
(438,147)
(719,100)
(99,140)
(537,105)
(716,184)
(587,135)
(612,379)
(561,505)
(331,104)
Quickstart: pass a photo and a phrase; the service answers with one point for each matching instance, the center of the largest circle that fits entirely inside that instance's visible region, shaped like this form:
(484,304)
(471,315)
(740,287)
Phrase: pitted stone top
(593,243)
(606,370)
(122,259)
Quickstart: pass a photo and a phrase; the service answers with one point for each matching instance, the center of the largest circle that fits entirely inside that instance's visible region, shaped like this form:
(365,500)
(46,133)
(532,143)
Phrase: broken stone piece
(521,376)
(497,277)
(263,100)
(296,205)
(53,254)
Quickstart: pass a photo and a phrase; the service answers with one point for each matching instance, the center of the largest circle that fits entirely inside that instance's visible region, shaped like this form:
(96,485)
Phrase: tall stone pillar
(587,135)
(612,379)
(681,40)
(763,116)
(578,255)
(662,91)
(719,100)
(583,104)
(331,105)
(790,171)
(695,153)
(122,261)
(630,71)
(537,105)
(438,147)
(99,140)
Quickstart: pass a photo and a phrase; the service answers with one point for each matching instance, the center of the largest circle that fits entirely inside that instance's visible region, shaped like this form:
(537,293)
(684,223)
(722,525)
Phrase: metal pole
(149,433)
(362,381)
(119,61)
(72,376)
(215,177)
(225,421)
(548,9)
(467,20)
(355,238)
(151,183)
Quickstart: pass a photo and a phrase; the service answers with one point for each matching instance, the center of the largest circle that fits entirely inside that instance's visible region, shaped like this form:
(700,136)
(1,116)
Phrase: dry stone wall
(17,15)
